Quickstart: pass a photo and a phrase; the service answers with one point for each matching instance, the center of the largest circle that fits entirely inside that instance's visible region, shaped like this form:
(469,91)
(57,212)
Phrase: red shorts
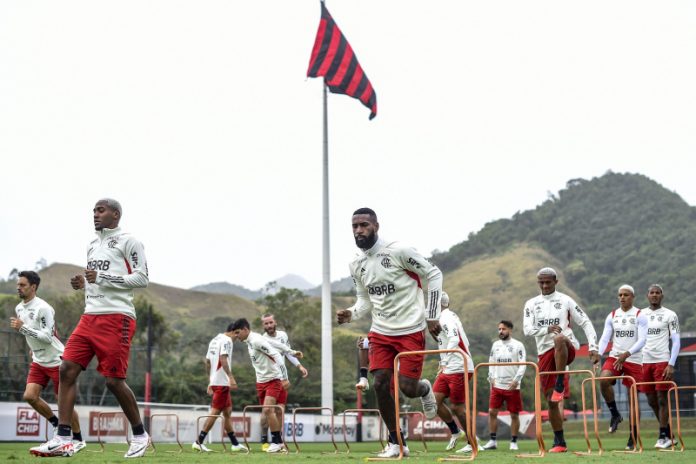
(274,389)
(652,372)
(384,348)
(221,397)
(547,363)
(628,368)
(512,398)
(40,375)
(451,385)
(108,336)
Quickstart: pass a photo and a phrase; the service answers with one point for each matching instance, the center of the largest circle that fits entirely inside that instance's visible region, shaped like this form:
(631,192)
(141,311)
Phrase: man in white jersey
(547,318)
(389,280)
(36,321)
(271,378)
(659,360)
(505,383)
(276,337)
(218,364)
(116,266)
(627,329)
(450,378)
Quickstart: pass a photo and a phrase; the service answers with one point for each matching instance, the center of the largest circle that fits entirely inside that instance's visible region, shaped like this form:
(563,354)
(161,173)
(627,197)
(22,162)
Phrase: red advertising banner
(434,429)
(28,422)
(241,428)
(108,424)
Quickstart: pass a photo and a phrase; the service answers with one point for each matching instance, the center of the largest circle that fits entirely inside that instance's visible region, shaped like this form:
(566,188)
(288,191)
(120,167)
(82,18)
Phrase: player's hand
(434,328)
(343,316)
(668,373)
(594,357)
(209,390)
(91,275)
(303,371)
(17,324)
(618,364)
(233,384)
(77,282)
(361,340)
(513,385)
(286,384)
(299,355)
(555,329)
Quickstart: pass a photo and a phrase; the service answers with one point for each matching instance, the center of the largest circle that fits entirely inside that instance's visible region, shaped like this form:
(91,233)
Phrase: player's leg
(410,369)
(274,423)
(364,364)
(562,349)
(32,395)
(606,387)
(229,429)
(264,432)
(493,428)
(514,428)
(445,414)
(514,406)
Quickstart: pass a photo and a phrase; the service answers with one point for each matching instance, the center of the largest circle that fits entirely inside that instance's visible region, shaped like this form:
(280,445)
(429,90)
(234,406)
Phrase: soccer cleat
(428,401)
(363,384)
(453,440)
(664,443)
(392,451)
(238,447)
(491,445)
(629,444)
(468,448)
(56,446)
(559,449)
(276,448)
(556,397)
(513,446)
(265,446)
(138,446)
(614,423)
(78,446)
(55,431)
(200,447)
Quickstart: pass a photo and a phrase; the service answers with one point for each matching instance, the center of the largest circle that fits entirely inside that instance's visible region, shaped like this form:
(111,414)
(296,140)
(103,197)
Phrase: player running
(627,329)
(389,280)
(659,360)
(218,364)
(505,383)
(115,266)
(36,321)
(547,318)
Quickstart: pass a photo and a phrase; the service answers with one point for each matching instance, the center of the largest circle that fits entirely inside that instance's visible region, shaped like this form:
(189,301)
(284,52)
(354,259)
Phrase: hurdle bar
(222,427)
(584,408)
(99,440)
(262,407)
(397,408)
(423,419)
(537,405)
(682,447)
(658,382)
(633,411)
(362,411)
(294,429)
(152,442)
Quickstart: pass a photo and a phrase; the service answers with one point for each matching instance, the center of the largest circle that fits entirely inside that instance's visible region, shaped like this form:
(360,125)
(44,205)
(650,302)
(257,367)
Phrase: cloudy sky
(198,117)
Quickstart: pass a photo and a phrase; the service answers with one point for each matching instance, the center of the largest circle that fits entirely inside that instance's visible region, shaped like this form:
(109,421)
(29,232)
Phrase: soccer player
(627,329)
(505,383)
(218,364)
(659,360)
(36,321)
(271,378)
(277,337)
(115,266)
(388,279)
(450,378)
(547,318)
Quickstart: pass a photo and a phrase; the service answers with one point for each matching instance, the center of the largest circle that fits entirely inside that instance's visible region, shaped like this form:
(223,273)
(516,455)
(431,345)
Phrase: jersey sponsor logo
(504,360)
(624,333)
(548,322)
(381,289)
(654,331)
(414,263)
(579,311)
(386,263)
(99,264)
(134,258)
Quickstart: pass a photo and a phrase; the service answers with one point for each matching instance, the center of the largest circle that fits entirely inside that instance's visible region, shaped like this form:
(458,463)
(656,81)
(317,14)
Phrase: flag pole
(326,309)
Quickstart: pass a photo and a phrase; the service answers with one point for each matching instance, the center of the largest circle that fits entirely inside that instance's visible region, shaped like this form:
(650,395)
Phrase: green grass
(312,452)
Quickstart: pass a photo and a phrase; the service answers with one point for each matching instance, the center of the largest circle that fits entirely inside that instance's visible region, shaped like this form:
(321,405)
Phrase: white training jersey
(389,280)
(119,259)
(281,338)
(663,324)
(39,329)
(507,351)
(218,347)
(267,360)
(451,337)
(558,309)
(627,330)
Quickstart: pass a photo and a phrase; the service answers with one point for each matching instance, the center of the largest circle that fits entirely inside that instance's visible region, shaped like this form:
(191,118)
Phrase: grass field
(312,452)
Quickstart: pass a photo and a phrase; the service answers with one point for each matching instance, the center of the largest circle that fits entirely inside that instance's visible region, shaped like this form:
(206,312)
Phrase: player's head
(269,324)
(107,214)
(229,332)
(547,280)
(240,329)
(504,329)
(365,227)
(655,295)
(626,295)
(444,301)
(27,284)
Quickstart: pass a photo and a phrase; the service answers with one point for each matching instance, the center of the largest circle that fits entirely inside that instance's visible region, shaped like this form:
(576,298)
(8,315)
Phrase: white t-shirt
(663,323)
(627,330)
(451,337)
(39,329)
(507,351)
(267,360)
(281,343)
(218,347)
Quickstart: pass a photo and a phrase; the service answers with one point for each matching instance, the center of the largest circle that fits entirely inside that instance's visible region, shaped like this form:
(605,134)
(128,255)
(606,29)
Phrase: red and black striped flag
(333,58)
